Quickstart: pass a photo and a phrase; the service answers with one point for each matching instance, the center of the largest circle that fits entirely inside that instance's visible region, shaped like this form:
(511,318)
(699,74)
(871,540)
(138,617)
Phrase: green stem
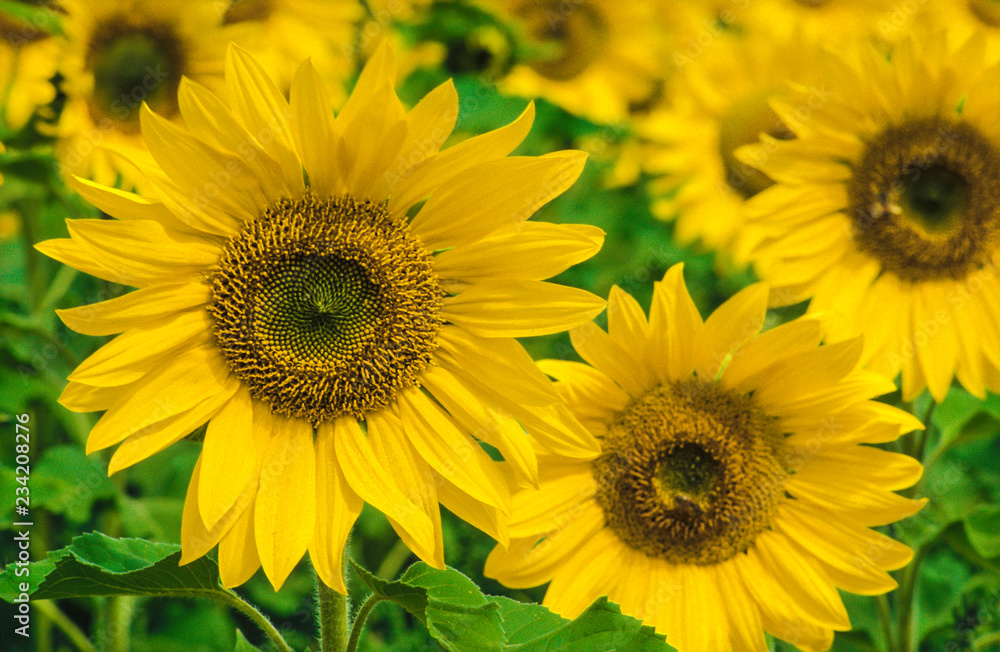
(121,608)
(257,617)
(979,645)
(393,561)
(67,626)
(359,621)
(885,618)
(907,596)
(332,618)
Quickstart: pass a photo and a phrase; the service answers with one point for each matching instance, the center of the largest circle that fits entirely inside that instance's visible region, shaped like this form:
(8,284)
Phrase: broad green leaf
(982,527)
(68,482)
(961,418)
(462,619)
(95,564)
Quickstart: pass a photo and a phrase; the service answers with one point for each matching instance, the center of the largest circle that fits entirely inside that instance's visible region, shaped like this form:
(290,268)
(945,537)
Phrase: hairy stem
(359,621)
(332,618)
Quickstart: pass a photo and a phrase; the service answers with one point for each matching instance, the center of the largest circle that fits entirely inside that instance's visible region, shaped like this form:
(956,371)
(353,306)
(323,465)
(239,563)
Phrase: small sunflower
(832,21)
(886,212)
(732,490)
(119,54)
(337,300)
(294,30)
(602,56)
(28,58)
(719,102)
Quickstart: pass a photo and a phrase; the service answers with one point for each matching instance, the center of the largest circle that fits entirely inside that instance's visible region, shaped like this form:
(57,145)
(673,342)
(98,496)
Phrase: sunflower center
(133,64)
(576,31)
(691,473)
(988,11)
(326,307)
(925,198)
(741,125)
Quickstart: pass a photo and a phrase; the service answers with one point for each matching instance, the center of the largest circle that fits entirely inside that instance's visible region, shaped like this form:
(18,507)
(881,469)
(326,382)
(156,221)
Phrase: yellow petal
(179,386)
(746,629)
(228,458)
(531,251)
(151,440)
(393,449)
(871,506)
(627,325)
(314,129)
(808,372)
(450,452)
(196,540)
(493,194)
(238,559)
(486,423)
(591,573)
(262,108)
(143,249)
(691,606)
(132,355)
(79,397)
(484,517)
(128,206)
(439,170)
(516,308)
(676,327)
(589,393)
(211,120)
(377,483)
(748,364)
(607,356)
(136,308)
(803,579)
(76,255)
(862,465)
(285,512)
(732,325)
(430,123)
(533,561)
(559,499)
(337,508)
(499,363)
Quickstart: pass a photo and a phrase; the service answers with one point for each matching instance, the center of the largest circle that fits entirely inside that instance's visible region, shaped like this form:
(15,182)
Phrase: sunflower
(601,57)
(28,59)
(294,30)
(962,18)
(885,212)
(719,101)
(118,54)
(337,300)
(832,21)
(731,491)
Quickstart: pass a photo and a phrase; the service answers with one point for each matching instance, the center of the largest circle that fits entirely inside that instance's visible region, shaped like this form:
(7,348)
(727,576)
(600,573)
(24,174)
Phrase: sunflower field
(500,325)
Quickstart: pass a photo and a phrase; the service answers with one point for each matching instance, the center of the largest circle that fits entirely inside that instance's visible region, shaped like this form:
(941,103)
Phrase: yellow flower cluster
(336,294)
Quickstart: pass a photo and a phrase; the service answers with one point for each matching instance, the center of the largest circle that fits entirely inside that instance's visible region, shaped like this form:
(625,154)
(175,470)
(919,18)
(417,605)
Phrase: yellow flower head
(119,54)
(28,58)
(731,492)
(601,55)
(337,300)
(885,211)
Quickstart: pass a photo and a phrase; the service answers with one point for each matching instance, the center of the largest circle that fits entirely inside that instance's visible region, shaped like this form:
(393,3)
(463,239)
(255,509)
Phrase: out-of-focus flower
(28,58)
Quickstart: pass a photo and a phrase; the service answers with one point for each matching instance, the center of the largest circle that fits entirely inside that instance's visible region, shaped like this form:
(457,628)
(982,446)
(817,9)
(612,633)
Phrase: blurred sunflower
(886,213)
(338,300)
(731,492)
(962,18)
(28,58)
(295,30)
(600,57)
(831,21)
(719,103)
(119,54)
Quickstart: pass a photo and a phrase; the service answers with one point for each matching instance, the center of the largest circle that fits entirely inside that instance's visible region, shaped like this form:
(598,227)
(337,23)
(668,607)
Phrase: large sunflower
(119,54)
(28,59)
(731,492)
(601,56)
(886,212)
(338,301)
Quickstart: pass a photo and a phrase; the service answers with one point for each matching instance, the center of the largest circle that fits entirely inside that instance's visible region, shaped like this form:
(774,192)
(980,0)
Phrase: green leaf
(95,564)
(982,527)
(462,619)
(962,418)
(242,644)
(35,18)
(68,482)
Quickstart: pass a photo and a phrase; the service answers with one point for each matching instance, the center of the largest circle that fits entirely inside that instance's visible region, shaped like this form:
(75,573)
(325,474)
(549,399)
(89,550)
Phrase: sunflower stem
(332,618)
(907,595)
(979,645)
(393,561)
(259,619)
(885,618)
(359,621)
